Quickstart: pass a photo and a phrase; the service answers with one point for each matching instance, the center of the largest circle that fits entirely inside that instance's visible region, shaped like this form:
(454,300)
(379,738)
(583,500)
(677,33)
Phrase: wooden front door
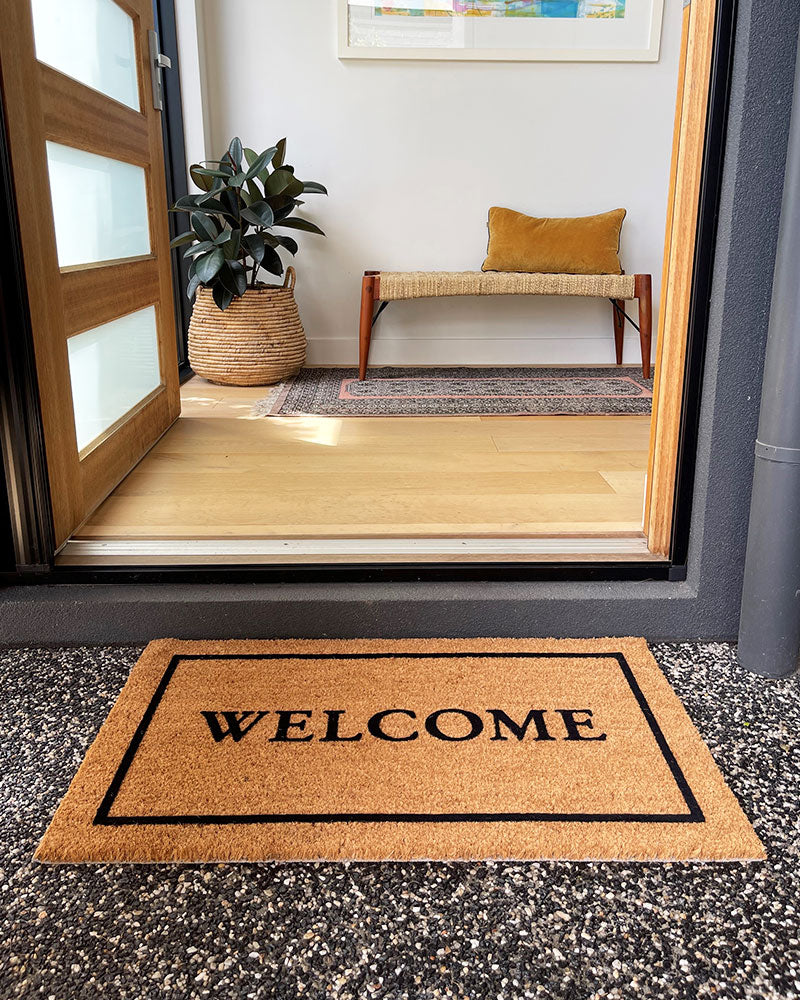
(88,171)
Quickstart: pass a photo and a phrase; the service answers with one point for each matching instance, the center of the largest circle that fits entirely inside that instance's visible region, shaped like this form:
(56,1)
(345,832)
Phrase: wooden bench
(382,287)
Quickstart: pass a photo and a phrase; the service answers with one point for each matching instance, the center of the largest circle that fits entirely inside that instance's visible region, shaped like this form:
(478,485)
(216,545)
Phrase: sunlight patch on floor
(312,430)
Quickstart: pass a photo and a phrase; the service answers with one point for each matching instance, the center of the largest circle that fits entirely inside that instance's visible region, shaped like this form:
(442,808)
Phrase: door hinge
(158,62)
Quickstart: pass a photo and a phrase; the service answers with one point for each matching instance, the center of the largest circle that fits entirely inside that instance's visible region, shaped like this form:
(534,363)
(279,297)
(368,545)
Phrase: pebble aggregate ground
(473,931)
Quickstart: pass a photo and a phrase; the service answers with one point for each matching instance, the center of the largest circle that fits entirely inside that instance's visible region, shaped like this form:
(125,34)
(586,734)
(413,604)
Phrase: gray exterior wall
(705,605)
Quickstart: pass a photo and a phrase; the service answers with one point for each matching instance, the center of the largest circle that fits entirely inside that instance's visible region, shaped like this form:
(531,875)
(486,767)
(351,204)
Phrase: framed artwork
(531,30)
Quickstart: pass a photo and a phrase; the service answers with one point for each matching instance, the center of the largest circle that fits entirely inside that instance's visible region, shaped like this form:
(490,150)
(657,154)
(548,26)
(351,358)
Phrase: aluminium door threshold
(250,551)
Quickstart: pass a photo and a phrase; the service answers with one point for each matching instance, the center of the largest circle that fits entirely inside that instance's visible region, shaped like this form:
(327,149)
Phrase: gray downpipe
(769,630)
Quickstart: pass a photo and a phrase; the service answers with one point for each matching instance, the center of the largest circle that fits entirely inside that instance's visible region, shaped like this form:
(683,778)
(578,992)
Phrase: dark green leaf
(302,224)
(273,240)
(207,266)
(231,203)
(253,193)
(278,182)
(254,244)
(194,284)
(188,203)
(238,179)
(183,238)
(260,162)
(249,155)
(200,177)
(281,207)
(208,174)
(226,279)
(235,152)
(222,296)
(239,273)
(233,277)
(236,268)
(231,247)
(283,182)
(288,243)
(212,192)
(312,187)
(203,226)
(280,154)
(213,206)
(202,247)
(272,261)
(250,216)
(259,213)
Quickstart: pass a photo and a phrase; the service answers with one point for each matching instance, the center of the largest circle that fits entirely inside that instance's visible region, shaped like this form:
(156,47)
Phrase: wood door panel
(97,294)
(24,123)
(42,103)
(130,441)
(79,116)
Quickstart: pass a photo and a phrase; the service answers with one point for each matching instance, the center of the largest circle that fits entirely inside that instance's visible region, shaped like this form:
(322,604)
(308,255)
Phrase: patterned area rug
(463,391)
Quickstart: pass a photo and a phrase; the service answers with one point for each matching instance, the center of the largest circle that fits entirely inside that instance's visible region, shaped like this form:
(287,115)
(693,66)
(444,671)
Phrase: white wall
(190,22)
(413,155)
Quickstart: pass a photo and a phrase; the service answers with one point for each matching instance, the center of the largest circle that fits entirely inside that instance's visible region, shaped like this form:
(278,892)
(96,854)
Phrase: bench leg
(617,308)
(365,323)
(644,293)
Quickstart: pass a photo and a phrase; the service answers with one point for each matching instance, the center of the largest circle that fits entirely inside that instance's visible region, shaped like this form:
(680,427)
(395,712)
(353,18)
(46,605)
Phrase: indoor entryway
(505,412)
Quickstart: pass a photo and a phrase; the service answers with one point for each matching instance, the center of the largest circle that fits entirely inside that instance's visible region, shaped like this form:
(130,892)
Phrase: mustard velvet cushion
(588,245)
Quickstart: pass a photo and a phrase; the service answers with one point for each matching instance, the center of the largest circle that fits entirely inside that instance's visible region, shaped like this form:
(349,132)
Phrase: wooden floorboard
(221,473)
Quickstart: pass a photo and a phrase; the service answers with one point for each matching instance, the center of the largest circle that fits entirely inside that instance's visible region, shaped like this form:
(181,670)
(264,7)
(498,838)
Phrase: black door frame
(26,537)
(26,518)
(175,168)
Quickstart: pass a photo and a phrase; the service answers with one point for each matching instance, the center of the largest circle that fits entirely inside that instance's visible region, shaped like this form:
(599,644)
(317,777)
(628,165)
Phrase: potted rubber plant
(243,330)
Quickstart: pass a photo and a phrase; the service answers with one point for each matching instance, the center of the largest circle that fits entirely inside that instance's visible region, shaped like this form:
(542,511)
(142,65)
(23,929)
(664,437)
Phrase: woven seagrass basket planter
(257,340)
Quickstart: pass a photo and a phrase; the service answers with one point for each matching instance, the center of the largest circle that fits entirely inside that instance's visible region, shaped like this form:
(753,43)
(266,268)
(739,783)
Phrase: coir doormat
(462,391)
(375,750)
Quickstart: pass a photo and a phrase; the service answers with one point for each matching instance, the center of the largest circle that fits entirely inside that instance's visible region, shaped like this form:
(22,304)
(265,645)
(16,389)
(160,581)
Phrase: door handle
(158,62)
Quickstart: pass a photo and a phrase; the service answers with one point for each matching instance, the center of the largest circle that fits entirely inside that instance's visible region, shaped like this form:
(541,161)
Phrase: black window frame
(26,535)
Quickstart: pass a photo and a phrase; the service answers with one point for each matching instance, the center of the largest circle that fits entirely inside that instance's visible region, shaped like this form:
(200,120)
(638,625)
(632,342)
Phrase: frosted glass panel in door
(99,206)
(112,368)
(90,40)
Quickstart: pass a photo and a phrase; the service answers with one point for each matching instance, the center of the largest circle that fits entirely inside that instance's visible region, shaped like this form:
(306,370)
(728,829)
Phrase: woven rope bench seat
(396,285)
(382,287)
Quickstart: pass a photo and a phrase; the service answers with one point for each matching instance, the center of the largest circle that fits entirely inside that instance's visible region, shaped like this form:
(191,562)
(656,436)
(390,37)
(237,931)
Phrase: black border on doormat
(102,817)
